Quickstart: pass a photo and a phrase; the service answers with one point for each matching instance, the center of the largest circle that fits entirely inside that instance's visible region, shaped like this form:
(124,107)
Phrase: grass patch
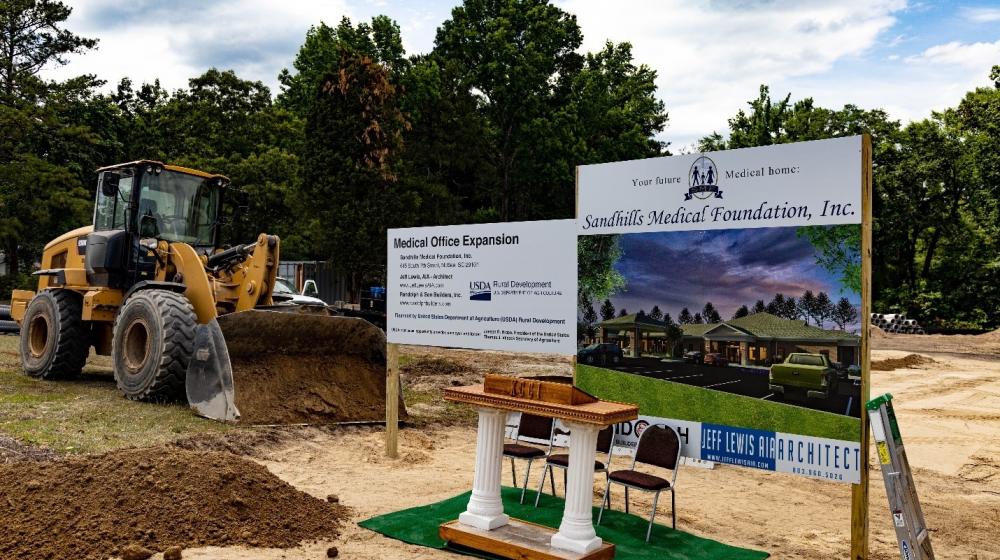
(426,407)
(88,414)
(668,399)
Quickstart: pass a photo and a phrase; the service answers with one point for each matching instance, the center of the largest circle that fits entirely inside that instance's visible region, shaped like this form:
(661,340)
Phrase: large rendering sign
(507,286)
(738,310)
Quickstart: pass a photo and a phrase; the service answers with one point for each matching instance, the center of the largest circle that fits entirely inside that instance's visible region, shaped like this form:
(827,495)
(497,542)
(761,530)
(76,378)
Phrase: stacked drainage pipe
(7,325)
(896,323)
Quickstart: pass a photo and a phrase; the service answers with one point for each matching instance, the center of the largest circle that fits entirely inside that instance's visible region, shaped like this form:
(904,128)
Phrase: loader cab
(142,203)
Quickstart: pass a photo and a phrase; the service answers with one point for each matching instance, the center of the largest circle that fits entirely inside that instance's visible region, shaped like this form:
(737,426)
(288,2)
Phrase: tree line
(487,126)
(809,307)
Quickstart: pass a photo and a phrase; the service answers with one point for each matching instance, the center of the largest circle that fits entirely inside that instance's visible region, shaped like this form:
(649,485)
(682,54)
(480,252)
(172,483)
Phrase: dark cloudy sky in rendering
(727,267)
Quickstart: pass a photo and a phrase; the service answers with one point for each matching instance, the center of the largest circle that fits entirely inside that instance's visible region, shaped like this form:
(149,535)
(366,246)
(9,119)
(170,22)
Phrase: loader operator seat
(147,227)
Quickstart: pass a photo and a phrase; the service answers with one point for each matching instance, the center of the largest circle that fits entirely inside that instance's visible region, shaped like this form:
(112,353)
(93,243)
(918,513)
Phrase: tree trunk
(939,230)
(10,255)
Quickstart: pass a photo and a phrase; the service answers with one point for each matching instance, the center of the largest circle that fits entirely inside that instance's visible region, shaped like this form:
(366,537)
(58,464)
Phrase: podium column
(576,532)
(485,509)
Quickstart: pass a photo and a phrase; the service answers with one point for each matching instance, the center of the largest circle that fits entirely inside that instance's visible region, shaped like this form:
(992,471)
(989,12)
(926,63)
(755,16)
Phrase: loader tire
(55,340)
(152,344)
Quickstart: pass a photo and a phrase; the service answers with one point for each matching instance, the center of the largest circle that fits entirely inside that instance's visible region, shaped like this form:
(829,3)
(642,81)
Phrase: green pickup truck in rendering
(812,372)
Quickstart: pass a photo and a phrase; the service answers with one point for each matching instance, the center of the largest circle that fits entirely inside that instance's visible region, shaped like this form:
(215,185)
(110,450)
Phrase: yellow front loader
(149,285)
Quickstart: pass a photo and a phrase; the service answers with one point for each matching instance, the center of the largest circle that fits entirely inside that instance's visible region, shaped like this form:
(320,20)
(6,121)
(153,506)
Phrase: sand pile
(910,361)
(98,506)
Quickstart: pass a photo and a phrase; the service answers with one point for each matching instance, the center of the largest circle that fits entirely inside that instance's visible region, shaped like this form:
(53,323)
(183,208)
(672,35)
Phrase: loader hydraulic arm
(258,274)
(234,254)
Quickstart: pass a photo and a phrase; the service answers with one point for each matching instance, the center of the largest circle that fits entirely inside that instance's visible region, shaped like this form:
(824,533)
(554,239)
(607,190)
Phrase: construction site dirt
(94,507)
(948,409)
(281,389)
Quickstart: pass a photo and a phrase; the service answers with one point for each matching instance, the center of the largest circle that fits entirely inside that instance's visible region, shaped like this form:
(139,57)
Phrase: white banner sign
(827,459)
(507,286)
(805,183)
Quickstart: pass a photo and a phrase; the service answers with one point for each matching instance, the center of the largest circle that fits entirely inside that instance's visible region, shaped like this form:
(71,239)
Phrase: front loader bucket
(209,380)
(303,367)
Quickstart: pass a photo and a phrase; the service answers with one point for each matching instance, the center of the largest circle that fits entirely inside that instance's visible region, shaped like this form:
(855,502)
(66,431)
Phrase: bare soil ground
(980,345)
(98,506)
(948,408)
(949,412)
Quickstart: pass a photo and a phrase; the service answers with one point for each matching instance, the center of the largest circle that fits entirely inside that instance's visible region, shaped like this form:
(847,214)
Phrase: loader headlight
(149,243)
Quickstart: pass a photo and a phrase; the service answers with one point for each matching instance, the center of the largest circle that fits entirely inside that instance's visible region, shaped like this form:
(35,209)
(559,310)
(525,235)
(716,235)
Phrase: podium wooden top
(543,398)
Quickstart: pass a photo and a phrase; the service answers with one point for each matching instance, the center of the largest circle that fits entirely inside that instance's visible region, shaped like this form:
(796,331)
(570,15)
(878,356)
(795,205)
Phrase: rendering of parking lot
(765,313)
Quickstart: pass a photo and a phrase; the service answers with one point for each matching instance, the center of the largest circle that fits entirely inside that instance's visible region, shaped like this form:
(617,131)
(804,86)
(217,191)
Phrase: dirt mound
(298,368)
(280,389)
(95,507)
(909,361)
(992,335)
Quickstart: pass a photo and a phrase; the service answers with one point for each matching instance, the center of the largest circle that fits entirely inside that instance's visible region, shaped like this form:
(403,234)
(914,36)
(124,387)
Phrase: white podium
(484,526)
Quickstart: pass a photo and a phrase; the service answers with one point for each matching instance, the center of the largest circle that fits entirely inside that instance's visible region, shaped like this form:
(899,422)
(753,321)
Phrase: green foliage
(488,126)
(655,313)
(508,73)
(781,306)
(589,320)
(844,313)
(710,314)
(351,164)
(596,275)
(221,124)
(31,37)
(322,50)
(936,203)
(685,317)
(838,250)
(42,150)
(607,310)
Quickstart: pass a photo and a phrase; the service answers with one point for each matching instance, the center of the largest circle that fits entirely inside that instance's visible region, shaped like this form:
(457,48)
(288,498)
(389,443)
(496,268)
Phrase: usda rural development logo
(703,180)
(480,291)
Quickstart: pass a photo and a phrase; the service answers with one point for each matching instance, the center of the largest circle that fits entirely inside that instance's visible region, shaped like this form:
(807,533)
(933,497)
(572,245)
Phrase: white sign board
(799,184)
(506,286)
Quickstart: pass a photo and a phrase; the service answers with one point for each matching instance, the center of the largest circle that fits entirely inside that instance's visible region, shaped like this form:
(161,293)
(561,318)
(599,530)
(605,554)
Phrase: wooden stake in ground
(859,492)
(392,400)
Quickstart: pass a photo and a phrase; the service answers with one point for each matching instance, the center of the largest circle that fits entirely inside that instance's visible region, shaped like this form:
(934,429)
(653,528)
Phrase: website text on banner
(508,286)
(776,385)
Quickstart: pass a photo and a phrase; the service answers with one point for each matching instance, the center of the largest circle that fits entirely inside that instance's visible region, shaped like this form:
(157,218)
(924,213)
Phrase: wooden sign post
(391,400)
(859,492)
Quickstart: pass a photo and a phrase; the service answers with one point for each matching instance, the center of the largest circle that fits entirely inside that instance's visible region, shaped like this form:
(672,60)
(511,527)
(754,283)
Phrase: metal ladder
(911,530)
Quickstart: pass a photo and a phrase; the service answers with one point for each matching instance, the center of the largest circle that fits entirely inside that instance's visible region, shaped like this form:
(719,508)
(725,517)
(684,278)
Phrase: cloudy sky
(727,267)
(908,57)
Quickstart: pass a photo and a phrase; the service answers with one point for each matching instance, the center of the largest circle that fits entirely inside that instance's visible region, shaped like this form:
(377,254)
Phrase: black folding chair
(659,446)
(531,426)
(605,439)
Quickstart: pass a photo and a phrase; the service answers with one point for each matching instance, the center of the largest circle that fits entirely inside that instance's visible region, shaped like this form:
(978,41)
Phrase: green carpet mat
(419,525)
